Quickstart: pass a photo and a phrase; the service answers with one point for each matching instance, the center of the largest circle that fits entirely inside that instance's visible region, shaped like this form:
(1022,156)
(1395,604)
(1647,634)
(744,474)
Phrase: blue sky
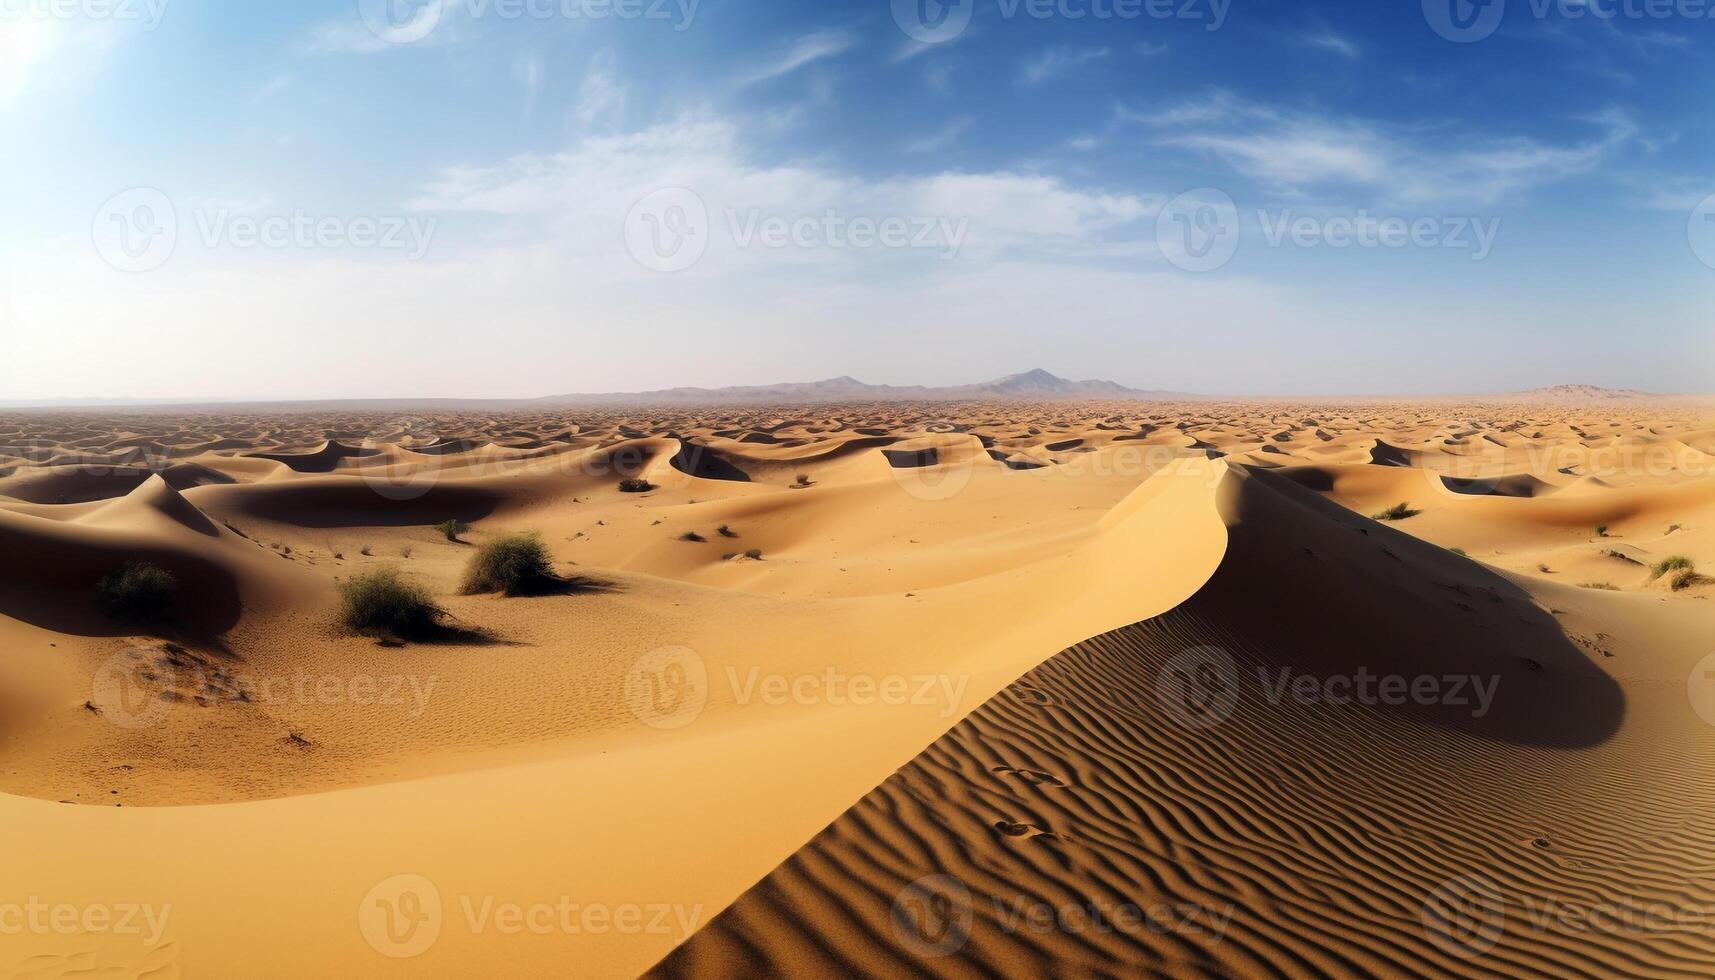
(333,198)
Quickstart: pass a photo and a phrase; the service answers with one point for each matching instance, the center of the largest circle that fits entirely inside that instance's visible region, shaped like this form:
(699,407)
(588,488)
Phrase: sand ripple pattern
(1343,842)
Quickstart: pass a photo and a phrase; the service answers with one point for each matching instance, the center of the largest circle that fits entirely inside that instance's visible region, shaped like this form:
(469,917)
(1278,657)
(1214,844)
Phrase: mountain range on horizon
(1034,385)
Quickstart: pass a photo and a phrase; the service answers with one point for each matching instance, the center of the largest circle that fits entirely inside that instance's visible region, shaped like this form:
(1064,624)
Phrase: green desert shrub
(452,529)
(382,604)
(516,564)
(1398,512)
(137,591)
(635,484)
(1672,563)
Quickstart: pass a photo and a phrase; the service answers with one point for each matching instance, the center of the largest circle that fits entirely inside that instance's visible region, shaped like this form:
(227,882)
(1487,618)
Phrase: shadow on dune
(352,502)
(706,464)
(1309,586)
(56,588)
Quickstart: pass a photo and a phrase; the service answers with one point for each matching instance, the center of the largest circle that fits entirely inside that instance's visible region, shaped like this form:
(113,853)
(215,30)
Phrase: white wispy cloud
(1055,61)
(803,51)
(601,96)
(1299,151)
(1327,40)
(941,138)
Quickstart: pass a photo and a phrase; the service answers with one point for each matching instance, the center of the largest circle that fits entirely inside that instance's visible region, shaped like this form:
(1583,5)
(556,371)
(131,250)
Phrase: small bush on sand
(1672,528)
(452,529)
(754,554)
(381,604)
(692,537)
(1685,578)
(138,591)
(517,564)
(1601,530)
(1398,512)
(1672,563)
(635,485)
(804,480)
(1544,569)
(726,531)
(1604,586)
(1460,552)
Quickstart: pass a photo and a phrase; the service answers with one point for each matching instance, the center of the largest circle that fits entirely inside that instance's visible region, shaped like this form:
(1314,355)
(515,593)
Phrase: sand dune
(952,548)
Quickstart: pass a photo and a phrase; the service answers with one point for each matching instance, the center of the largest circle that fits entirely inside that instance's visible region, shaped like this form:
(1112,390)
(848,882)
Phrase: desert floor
(963,690)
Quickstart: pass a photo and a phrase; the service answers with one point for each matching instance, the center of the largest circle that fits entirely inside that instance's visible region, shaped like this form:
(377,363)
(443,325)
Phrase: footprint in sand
(1034,777)
(1026,831)
(1032,696)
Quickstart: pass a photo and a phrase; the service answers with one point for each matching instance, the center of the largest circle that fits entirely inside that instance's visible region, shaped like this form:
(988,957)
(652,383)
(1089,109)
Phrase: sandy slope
(1091,822)
(622,747)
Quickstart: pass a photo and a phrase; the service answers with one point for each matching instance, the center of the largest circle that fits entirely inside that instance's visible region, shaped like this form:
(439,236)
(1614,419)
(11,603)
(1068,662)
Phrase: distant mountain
(1579,395)
(1037,385)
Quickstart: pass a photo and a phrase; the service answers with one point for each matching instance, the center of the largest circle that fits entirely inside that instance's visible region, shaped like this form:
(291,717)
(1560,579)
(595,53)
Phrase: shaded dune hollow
(1159,802)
